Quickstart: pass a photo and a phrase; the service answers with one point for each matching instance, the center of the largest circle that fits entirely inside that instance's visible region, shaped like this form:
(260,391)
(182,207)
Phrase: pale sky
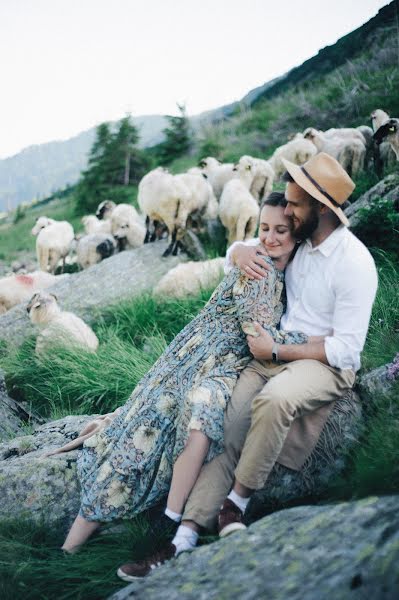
(68,65)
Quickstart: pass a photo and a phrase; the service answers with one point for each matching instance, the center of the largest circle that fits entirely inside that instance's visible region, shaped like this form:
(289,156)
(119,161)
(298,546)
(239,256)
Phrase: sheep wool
(53,242)
(188,279)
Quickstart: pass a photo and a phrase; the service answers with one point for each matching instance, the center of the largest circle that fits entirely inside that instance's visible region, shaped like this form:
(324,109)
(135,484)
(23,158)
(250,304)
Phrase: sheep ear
(54,296)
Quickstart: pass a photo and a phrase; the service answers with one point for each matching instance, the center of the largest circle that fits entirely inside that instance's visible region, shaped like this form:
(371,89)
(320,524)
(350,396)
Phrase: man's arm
(247,256)
(261,348)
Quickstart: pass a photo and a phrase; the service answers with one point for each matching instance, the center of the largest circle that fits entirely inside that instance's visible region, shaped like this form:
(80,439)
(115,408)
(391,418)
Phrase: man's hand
(260,346)
(247,259)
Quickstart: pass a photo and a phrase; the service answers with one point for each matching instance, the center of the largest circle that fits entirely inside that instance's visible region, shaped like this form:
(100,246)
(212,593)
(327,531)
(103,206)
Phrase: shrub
(378,226)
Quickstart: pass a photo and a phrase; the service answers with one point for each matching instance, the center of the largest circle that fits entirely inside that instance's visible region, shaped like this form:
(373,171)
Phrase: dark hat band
(321,189)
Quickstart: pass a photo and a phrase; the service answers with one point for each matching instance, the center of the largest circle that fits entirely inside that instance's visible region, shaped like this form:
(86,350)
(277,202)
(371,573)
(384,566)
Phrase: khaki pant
(265,402)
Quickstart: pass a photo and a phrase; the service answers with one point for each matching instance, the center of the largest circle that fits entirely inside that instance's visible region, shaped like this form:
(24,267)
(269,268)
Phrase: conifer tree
(177,137)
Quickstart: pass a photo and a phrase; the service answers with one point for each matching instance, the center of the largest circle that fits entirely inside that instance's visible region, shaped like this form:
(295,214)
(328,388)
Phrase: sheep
(238,209)
(58,326)
(203,202)
(349,152)
(92,224)
(389,131)
(188,279)
(378,118)
(218,173)
(345,133)
(165,198)
(93,248)
(298,151)
(104,210)
(15,289)
(127,224)
(53,242)
(263,177)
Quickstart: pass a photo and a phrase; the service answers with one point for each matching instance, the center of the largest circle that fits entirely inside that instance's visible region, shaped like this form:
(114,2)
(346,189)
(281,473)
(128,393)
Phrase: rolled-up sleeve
(354,297)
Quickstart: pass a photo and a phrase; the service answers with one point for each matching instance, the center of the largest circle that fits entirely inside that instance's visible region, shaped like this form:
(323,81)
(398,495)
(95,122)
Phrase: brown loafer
(137,570)
(230,518)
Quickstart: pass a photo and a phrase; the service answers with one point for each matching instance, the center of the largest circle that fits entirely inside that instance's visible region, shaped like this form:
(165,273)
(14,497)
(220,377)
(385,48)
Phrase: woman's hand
(249,260)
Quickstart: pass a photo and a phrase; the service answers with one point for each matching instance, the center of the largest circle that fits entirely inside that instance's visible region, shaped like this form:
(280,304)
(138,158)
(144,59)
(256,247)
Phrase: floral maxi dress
(127,467)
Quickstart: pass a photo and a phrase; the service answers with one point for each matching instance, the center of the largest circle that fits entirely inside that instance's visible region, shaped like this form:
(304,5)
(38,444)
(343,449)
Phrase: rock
(48,487)
(13,415)
(38,487)
(387,188)
(377,381)
(348,551)
(87,293)
(193,246)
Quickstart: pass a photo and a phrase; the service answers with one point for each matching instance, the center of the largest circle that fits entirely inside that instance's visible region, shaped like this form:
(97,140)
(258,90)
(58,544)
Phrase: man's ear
(323,209)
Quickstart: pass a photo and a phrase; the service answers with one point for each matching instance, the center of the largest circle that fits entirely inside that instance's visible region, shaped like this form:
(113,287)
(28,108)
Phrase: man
(331,285)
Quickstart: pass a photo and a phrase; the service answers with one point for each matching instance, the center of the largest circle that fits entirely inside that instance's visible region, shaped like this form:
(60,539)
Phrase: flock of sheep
(172,204)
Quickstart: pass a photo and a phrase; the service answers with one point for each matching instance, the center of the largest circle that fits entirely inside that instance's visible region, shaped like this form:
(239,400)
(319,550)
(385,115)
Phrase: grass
(73,381)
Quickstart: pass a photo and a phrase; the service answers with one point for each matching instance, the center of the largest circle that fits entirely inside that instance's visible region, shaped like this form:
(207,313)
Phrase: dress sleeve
(260,300)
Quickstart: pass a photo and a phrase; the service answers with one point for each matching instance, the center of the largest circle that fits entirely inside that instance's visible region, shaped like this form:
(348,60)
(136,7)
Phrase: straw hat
(325,180)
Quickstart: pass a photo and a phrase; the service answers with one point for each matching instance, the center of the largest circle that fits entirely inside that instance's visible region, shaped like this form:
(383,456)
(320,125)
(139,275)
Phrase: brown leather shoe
(137,570)
(230,518)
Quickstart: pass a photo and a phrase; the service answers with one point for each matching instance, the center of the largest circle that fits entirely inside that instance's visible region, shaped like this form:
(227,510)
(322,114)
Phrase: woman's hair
(274,199)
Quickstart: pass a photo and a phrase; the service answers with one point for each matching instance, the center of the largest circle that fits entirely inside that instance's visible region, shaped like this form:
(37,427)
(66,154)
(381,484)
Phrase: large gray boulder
(387,188)
(47,487)
(87,293)
(347,551)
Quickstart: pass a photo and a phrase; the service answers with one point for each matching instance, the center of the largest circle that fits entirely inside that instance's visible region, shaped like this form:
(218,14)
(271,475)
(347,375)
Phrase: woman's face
(275,232)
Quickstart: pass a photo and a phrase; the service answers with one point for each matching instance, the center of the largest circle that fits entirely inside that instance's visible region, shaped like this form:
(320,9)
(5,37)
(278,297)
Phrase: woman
(173,421)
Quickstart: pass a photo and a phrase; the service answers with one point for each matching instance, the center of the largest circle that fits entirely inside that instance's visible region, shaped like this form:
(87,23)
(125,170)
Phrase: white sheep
(349,152)
(165,199)
(345,133)
(93,248)
(238,209)
(127,224)
(202,202)
(15,289)
(59,327)
(53,242)
(218,173)
(378,118)
(92,224)
(105,209)
(188,279)
(262,177)
(298,151)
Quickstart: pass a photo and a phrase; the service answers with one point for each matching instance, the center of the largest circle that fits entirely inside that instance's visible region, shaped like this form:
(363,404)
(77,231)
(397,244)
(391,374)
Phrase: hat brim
(300,178)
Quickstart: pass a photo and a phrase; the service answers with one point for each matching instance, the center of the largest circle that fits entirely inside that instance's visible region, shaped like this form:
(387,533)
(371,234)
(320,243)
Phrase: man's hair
(274,199)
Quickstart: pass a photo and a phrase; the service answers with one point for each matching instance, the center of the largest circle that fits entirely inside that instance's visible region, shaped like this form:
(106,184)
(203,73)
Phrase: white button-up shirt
(330,291)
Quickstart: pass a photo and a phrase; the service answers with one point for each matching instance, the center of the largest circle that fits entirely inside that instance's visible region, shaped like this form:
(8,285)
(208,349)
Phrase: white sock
(172,515)
(185,539)
(239,500)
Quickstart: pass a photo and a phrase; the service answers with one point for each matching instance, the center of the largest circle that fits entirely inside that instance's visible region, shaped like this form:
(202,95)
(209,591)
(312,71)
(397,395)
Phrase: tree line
(116,164)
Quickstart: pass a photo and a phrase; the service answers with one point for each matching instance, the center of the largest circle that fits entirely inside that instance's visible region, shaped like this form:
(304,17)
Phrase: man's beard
(305,229)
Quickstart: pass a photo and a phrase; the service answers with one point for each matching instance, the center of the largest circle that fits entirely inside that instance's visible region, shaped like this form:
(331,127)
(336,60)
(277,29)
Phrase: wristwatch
(275,353)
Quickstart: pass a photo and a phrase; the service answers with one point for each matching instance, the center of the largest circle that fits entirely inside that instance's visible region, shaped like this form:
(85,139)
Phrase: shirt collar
(330,243)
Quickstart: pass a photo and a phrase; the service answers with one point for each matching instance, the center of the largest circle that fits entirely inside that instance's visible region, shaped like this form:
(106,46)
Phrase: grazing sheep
(218,173)
(238,209)
(349,152)
(263,177)
(127,224)
(385,156)
(92,224)
(15,289)
(59,327)
(389,131)
(188,279)
(105,209)
(202,203)
(378,118)
(93,248)
(53,242)
(298,151)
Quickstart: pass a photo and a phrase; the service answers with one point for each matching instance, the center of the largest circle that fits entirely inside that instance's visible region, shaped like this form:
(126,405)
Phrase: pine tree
(177,137)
